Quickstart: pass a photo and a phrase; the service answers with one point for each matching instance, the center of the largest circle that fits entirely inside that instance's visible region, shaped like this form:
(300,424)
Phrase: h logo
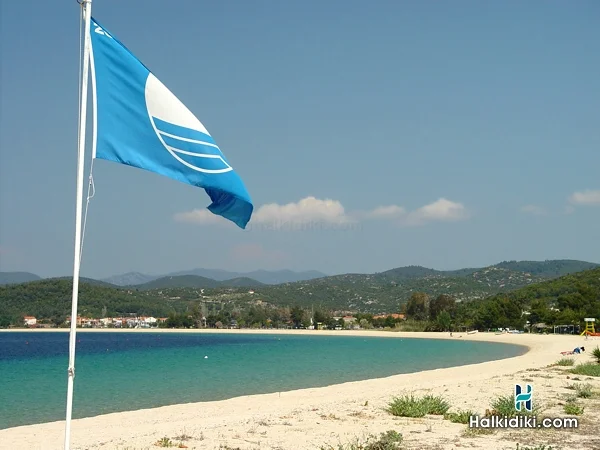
(523,397)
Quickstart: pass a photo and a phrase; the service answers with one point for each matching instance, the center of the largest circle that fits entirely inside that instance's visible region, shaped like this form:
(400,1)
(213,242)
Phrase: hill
(545,269)
(130,279)
(385,292)
(561,301)
(194,281)
(548,268)
(262,276)
(51,299)
(17,277)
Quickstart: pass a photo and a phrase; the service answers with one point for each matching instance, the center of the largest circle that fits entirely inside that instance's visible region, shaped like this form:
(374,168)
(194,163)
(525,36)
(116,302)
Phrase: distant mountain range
(261,276)
(17,277)
(206,278)
(214,278)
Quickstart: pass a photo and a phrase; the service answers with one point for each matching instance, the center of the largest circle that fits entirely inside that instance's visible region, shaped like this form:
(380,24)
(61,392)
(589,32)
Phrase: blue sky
(380,134)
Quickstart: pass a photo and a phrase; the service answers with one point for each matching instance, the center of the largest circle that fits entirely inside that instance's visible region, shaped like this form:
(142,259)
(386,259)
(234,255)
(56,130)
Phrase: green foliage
(584,390)
(548,268)
(588,369)
(164,442)
(573,409)
(410,406)
(442,303)
(504,405)
(459,416)
(537,447)
(565,362)
(390,440)
(443,321)
(297,315)
(596,354)
(417,307)
(386,292)
(52,299)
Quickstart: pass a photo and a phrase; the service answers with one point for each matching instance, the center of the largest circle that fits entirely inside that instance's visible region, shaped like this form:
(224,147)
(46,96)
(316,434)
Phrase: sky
(370,135)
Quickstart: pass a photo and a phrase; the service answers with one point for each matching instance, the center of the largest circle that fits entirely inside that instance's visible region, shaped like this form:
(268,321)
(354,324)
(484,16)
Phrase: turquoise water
(129,371)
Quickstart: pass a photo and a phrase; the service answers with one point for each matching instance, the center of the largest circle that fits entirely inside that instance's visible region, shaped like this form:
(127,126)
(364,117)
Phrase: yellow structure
(589,326)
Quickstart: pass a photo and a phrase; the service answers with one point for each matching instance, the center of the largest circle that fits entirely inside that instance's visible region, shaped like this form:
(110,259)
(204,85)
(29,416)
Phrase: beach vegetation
(411,406)
(459,416)
(164,442)
(584,390)
(589,369)
(537,447)
(572,408)
(504,405)
(390,440)
(474,432)
(565,362)
(596,354)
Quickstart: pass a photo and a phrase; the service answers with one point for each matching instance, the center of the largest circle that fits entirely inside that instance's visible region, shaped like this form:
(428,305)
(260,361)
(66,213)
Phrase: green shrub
(573,409)
(537,447)
(565,362)
(390,440)
(584,390)
(589,369)
(505,406)
(596,354)
(459,416)
(410,406)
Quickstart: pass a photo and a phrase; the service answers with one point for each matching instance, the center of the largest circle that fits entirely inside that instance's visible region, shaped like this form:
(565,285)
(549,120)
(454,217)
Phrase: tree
(417,307)
(297,316)
(197,316)
(322,317)
(443,320)
(441,303)
(365,324)
(390,322)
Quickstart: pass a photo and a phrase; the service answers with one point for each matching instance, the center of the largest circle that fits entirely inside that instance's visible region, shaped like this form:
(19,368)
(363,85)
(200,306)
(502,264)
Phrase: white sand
(311,418)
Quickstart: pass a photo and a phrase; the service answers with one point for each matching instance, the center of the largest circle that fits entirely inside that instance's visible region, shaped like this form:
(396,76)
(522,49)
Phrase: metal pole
(87,7)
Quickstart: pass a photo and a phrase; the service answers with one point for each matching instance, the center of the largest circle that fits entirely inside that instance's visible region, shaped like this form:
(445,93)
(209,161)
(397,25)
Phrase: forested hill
(562,301)
(381,293)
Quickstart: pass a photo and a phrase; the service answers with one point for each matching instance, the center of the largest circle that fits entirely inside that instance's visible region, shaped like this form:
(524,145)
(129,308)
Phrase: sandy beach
(340,414)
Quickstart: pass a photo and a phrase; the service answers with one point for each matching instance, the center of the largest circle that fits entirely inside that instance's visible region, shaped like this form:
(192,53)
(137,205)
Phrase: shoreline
(141,428)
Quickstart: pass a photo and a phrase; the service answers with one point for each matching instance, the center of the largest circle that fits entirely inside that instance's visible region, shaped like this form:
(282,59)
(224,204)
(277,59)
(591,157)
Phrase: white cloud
(308,210)
(587,197)
(308,213)
(533,209)
(313,213)
(442,210)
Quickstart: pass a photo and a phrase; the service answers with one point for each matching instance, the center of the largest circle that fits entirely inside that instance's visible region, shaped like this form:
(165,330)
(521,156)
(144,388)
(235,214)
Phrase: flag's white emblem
(196,154)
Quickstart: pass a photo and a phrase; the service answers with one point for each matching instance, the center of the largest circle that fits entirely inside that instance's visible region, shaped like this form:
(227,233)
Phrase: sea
(118,371)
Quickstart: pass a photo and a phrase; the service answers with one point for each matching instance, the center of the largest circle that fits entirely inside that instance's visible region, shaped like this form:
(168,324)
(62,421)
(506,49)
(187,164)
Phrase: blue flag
(139,122)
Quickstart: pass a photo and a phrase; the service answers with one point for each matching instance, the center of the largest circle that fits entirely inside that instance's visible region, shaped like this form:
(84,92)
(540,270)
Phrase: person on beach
(579,350)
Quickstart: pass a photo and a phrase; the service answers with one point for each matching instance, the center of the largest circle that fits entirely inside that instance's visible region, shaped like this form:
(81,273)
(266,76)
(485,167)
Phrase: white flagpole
(87,7)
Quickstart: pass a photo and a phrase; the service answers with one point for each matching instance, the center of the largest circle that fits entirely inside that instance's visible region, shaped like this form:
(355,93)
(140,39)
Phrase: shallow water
(128,371)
